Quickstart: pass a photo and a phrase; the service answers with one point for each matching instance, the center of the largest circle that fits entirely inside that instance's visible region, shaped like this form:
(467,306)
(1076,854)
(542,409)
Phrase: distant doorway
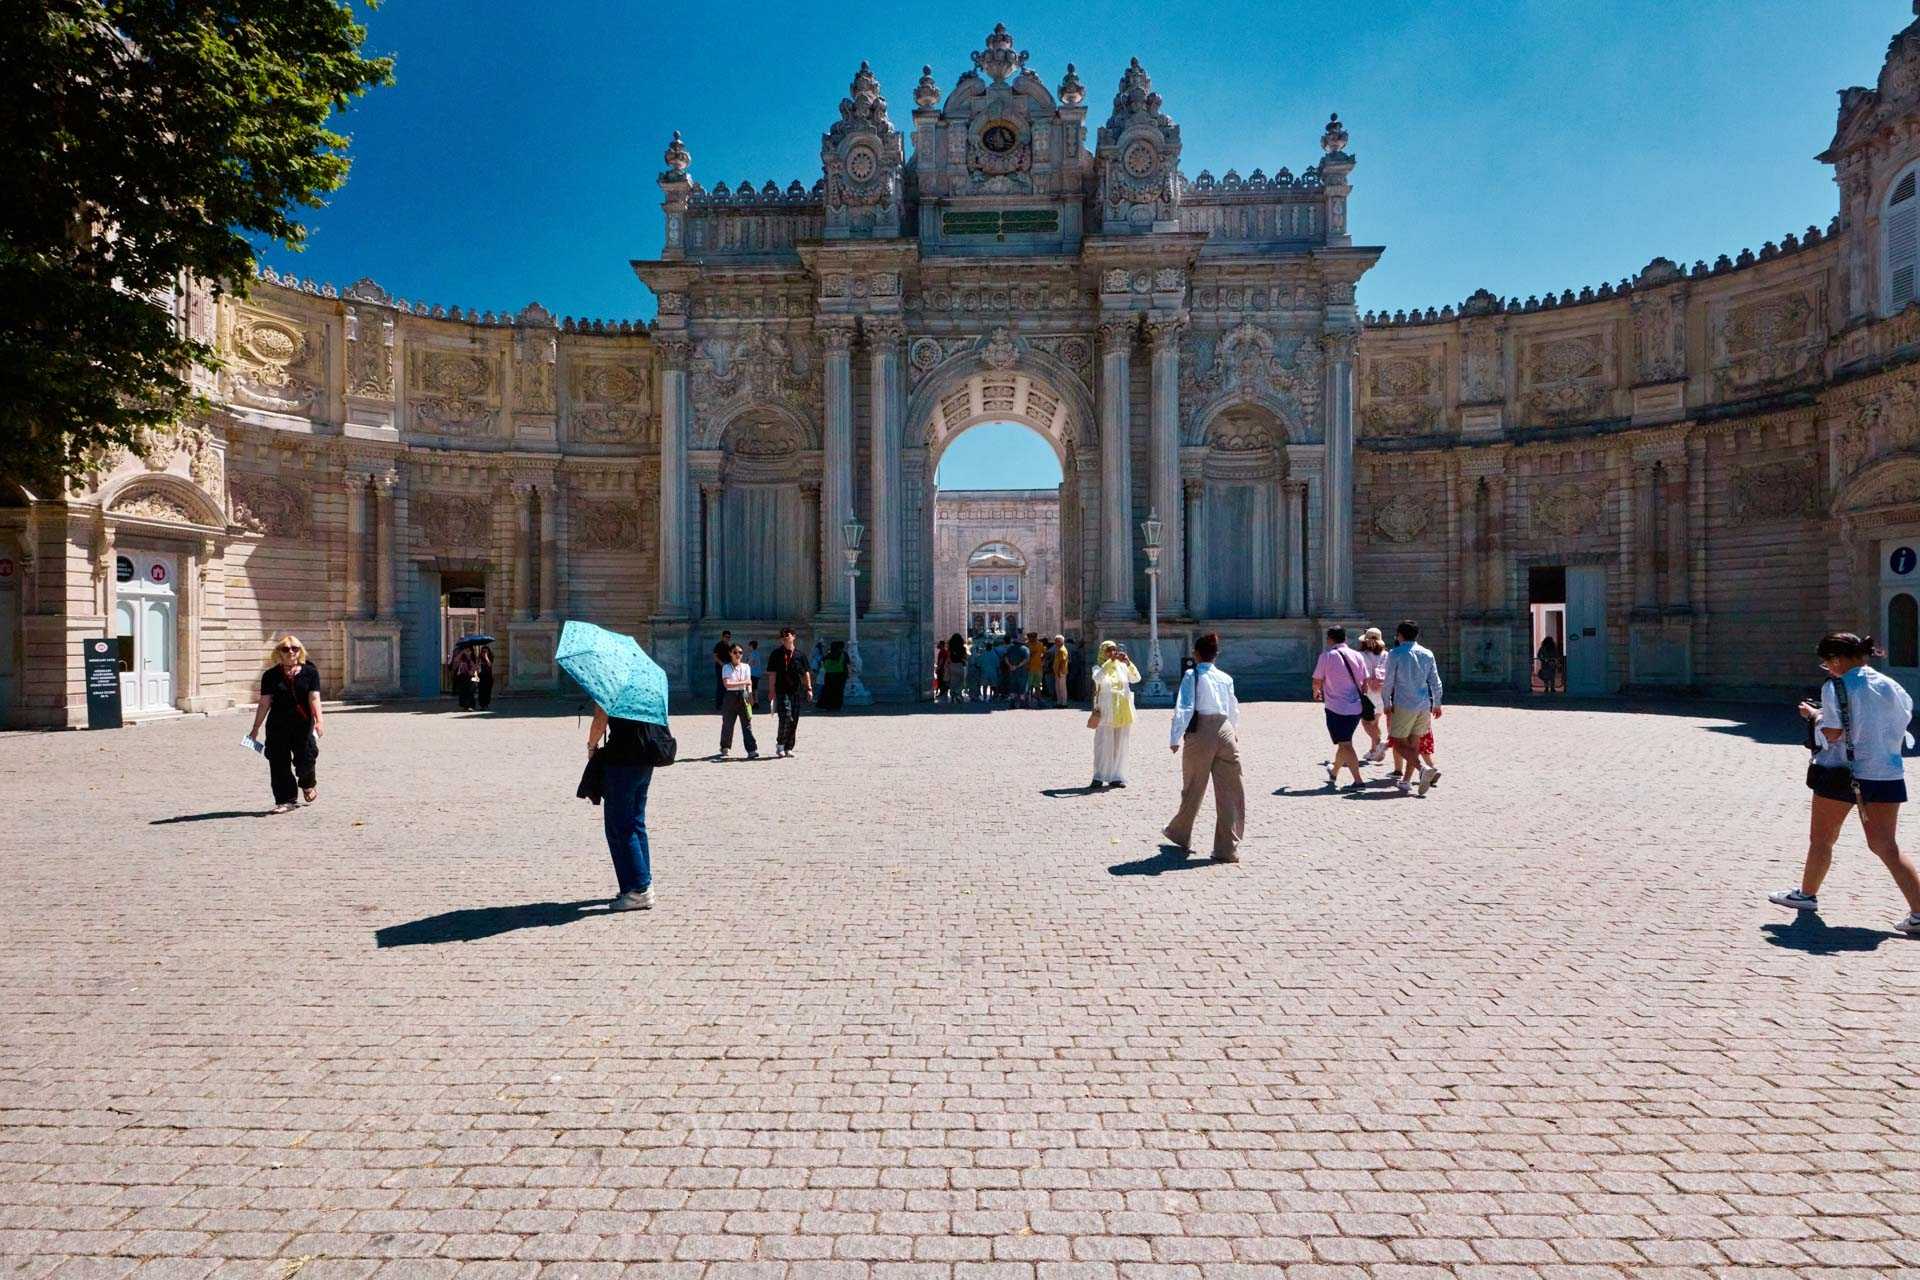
(997,533)
(463,612)
(1547,601)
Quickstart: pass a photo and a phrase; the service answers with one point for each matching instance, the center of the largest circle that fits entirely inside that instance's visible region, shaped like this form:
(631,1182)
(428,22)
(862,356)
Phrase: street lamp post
(1154,693)
(851,533)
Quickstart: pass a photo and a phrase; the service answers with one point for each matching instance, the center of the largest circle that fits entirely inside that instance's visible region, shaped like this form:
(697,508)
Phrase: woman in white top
(1373,653)
(736,679)
(1113,681)
(1861,728)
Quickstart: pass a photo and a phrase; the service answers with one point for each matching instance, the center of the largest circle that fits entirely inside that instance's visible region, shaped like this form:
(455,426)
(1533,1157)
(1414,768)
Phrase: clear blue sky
(1520,145)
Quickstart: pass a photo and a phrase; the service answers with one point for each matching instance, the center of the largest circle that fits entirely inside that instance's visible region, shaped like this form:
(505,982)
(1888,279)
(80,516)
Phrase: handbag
(1367,710)
(1831,776)
(658,744)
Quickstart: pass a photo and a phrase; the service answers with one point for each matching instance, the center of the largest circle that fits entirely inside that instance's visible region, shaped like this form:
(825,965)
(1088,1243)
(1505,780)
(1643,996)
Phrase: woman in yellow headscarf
(1113,679)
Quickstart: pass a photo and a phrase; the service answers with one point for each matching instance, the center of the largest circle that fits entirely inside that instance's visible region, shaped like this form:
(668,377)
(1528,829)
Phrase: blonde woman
(290,709)
(1373,652)
(1113,681)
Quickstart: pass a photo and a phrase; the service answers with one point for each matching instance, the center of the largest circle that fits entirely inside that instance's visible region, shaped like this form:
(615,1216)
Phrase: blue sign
(1902,560)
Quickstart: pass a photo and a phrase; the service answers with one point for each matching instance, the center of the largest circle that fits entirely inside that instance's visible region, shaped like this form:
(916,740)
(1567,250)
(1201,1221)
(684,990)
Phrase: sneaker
(1096,785)
(1404,787)
(641,901)
(1375,756)
(1794,900)
(1333,775)
(753,755)
(723,754)
(1433,777)
(1911,925)
(288,807)
(1226,855)
(1118,786)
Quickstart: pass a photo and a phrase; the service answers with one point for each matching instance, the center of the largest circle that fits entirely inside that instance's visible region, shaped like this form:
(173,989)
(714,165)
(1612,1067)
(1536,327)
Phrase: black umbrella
(465,642)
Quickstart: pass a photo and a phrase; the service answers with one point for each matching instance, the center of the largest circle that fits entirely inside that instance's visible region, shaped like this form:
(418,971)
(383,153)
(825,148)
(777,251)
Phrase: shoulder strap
(1846,717)
(1351,678)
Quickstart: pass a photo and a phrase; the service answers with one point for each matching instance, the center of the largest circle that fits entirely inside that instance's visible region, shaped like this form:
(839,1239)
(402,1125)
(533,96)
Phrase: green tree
(141,143)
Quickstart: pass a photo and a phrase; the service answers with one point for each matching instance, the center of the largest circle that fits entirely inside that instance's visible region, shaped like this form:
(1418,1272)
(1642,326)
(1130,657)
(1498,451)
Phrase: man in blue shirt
(1410,696)
(1204,718)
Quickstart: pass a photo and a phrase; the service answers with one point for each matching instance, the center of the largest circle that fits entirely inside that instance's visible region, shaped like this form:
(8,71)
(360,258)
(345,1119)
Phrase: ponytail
(1845,644)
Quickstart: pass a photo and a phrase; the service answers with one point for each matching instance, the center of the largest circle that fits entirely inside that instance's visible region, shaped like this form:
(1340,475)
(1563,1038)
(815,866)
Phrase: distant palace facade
(1685,476)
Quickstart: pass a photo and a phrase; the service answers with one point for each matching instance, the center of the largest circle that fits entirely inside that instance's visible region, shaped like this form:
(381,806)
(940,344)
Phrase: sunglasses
(289,648)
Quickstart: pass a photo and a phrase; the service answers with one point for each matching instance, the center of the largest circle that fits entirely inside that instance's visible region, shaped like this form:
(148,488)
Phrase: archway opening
(996,533)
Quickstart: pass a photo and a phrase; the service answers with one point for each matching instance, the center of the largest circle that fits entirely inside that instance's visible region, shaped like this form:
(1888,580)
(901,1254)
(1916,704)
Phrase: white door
(1900,610)
(156,654)
(1586,629)
(126,630)
(144,621)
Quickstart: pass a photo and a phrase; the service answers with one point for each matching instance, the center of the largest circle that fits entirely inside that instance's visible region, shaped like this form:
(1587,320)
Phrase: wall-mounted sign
(122,569)
(1902,560)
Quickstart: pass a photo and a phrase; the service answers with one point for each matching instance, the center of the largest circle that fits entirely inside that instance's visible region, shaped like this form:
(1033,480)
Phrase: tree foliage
(141,143)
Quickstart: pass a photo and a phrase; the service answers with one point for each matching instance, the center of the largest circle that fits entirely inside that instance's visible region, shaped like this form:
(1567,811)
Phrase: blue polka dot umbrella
(614,671)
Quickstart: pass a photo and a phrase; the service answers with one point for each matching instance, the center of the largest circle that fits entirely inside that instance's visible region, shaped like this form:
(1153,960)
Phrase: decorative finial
(1073,93)
(864,85)
(998,59)
(1334,140)
(678,158)
(927,93)
(1136,95)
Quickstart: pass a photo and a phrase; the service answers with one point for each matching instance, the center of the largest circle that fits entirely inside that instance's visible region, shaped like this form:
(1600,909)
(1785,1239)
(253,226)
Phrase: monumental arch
(1688,472)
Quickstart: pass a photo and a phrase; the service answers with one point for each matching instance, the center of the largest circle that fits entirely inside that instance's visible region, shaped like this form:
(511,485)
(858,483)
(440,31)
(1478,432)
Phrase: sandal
(311,793)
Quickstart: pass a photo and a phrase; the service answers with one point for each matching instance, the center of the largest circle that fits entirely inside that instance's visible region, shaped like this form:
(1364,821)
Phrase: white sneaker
(288,807)
(1427,778)
(641,901)
(1794,900)
(1911,925)
(1405,787)
(1333,774)
(1433,779)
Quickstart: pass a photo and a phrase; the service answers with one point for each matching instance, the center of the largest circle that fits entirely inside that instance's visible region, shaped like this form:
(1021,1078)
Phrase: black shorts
(1340,727)
(1834,785)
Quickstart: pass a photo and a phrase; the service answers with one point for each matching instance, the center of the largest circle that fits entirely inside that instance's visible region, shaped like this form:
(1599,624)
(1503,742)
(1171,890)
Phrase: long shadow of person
(473,923)
(211,817)
(1811,934)
(1059,793)
(1170,858)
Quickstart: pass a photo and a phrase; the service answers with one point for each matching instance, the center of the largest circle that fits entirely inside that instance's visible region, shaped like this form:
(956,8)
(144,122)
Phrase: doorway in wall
(997,533)
(145,619)
(1547,601)
(463,612)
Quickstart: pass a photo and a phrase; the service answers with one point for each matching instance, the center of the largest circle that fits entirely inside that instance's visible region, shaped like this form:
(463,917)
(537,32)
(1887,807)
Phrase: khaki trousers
(1211,752)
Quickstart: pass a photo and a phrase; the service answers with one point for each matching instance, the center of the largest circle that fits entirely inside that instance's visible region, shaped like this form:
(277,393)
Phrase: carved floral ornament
(760,365)
(1786,490)
(452,522)
(267,505)
(152,504)
(1769,342)
(1567,509)
(1567,377)
(273,362)
(1403,517)
(1882,422)
(607,526)
(1247,363)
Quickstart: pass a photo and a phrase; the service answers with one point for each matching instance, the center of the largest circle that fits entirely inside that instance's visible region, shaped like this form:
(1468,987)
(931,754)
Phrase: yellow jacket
(1112,693)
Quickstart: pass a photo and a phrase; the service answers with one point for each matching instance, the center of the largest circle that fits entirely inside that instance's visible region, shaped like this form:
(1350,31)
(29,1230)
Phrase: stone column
(386,551)
(1116,471)
(711,498)
(1337,531)
(1645,537)
(810,544)
(884,336)
(1166,463)
(1296,551)
(1676,506)
(836,490)
(549,549)
(675,422)
(523,593)
(1196,523)
(1289,566)
(358,568)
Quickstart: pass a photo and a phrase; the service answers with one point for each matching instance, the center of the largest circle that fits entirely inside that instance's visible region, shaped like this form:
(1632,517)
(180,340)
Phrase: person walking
(1205,720)
(1339,682)
(722,657)
(1058,658)
(1373,653)
(289,706)
(484,689)
(1112,718)
(787,680)
(1036,668)
(1858,730)
(1411,697)
(1548,655)
(737,678)
(833,677)
(757,663)
(621,750)
(466,676)
(956,668)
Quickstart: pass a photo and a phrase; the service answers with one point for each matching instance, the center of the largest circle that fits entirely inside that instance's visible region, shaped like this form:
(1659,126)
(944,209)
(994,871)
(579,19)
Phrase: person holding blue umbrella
(629,691)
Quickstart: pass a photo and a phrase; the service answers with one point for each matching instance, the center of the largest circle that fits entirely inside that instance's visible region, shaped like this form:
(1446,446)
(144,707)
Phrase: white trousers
(1110,753)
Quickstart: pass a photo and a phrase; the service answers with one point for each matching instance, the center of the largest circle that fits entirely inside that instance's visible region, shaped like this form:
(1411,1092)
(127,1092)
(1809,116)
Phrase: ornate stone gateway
(820,346)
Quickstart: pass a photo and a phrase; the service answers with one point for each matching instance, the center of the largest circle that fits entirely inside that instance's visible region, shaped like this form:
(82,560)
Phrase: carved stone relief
(1567,378)
(1248,363)
(1768,343)
(151,504)
(369,353)
(761,366)
(1788,490)
(1403,517)
(1567,509)
(452,522)
(1400,396)
(607,526)
(534,353)
(275,363)
(1659,338)
(610,403)
(1481,379)
(1884,421)
(268,505)
(454,393)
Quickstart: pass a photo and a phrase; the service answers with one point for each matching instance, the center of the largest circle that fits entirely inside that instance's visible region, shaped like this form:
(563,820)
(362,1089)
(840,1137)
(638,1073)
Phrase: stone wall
(1027,520)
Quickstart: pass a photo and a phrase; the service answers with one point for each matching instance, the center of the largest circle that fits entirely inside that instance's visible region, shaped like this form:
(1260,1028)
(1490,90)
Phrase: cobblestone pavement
(913,1005)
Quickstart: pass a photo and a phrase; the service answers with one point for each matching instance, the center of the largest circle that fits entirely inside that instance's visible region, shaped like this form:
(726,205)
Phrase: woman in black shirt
(617,744)
(290,708)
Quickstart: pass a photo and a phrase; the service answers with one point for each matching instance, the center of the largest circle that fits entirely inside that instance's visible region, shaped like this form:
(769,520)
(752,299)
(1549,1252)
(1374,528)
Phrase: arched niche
(760,517)
(1244,492)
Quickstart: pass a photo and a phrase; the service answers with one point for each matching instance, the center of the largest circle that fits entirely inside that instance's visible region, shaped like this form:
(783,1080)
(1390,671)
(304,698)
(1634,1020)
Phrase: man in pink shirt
(1339,681)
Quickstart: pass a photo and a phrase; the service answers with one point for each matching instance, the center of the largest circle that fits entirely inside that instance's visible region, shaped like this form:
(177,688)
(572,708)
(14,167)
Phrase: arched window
(1903,632)
(1900,235)
(994,574)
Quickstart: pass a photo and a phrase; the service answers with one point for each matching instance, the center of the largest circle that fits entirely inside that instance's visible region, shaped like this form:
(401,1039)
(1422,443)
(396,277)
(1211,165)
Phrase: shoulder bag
(1367,710)
(1833,776)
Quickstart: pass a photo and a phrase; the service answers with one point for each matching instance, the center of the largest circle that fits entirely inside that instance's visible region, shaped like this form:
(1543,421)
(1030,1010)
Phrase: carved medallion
(1567,509)
(1402,518)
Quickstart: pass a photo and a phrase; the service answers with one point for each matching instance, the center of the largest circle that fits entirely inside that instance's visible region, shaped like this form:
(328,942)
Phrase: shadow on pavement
(1170,858)
(211,817)
(473,923)
(1816,937)
(1062,793)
